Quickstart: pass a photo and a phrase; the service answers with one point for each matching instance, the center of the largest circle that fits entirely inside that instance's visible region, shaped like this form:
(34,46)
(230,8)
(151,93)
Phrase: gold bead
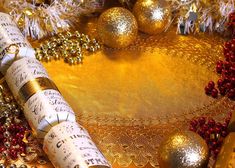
(77,34)
(85,46)
(94,41)
(48,58)
(38,50)
(65,55)
(117,27)
(92,49)
(78,49)
(57,56)
(97,46)
(53,44)
(39,57)
(152,16)
(68,34)
(73,51)
(71,61)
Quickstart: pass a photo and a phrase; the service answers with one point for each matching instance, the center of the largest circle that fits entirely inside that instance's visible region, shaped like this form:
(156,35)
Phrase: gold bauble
(183,150)
(117,27)
(152,16)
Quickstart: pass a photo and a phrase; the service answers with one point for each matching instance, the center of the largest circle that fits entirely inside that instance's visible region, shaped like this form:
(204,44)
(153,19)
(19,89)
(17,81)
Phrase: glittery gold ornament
(117,27)
(152,16)
(183,150)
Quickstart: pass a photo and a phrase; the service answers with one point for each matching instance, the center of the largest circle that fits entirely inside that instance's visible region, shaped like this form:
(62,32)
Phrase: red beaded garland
(213,132)
(226,70)
(16,134)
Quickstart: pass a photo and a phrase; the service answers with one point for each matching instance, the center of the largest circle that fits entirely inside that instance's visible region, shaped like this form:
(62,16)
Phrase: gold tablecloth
(131,99)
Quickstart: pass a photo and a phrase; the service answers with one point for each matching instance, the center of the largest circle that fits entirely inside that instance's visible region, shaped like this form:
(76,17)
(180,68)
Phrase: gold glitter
(152,16)
(117,27)
(183,150)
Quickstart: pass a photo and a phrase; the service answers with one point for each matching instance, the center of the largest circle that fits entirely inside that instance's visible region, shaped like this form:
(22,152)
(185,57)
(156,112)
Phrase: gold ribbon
(35,85)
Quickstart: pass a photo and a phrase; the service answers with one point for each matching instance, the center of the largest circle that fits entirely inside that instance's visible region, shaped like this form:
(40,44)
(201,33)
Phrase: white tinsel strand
(38,21)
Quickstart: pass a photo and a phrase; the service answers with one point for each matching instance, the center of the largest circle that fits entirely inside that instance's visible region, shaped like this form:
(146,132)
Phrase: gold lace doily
(130,99)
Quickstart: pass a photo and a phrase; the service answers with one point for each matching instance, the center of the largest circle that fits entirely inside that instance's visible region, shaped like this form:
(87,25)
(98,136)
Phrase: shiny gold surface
(183,150)
(152,16)
(130,99)
(231,126)
(117,27)
(33,86)
(226,157)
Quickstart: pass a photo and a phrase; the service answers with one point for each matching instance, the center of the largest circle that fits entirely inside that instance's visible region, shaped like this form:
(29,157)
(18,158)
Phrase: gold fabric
(130,99)
(226,157)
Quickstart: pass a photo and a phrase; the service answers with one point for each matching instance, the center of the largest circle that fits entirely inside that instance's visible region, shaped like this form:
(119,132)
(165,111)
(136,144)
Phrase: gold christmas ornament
(183,150)
(117,27)
(153,16)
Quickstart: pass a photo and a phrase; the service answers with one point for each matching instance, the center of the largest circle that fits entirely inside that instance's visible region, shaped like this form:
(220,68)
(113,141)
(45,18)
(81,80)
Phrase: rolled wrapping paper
(68,145)
(43,104)
(226,157)
(11,39)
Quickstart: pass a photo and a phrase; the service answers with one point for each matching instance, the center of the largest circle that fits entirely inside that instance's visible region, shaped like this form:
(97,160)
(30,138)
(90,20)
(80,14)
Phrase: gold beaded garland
(152,16)
(183,150)
(68,46)
(117,27)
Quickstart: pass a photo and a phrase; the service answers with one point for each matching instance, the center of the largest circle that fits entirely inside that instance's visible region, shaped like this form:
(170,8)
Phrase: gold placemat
(130,99)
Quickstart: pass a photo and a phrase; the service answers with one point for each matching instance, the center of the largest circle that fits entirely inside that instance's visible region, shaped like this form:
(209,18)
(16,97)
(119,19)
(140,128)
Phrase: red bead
(2,129)
(208,90)
(227,65)
(220,82)
(224,133)
(214,93)
(194,123)
(14,141)
(19,135)
(224,126)
(226,50)
(1,137)
(222,91)
(17,127)
(231,93)
(11,128)
(228,45)
(232,70)
(205,127)
(232,58)
(21,149)
(211,84)
(229,86)
(22,129)
(2,149)
(217,129)
(202,120)
(216,152)
(227,120)
(13,155)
